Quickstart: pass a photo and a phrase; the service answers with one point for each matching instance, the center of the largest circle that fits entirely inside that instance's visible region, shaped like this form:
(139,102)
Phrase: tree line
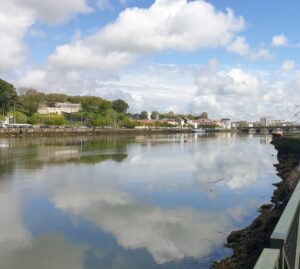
(24,103)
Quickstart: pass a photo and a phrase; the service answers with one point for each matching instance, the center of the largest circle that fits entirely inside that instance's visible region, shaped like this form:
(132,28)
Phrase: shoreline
(248,243)
(54,132)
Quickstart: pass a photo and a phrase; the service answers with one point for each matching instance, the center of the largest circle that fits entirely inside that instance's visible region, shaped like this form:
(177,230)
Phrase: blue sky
(234,59)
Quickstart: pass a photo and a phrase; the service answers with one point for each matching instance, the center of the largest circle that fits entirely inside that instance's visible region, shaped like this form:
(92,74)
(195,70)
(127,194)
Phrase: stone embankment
(248,243)
(41,132)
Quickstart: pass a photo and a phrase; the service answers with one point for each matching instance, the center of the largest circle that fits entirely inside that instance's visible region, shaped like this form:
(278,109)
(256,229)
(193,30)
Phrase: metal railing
(285,239)
(269,259)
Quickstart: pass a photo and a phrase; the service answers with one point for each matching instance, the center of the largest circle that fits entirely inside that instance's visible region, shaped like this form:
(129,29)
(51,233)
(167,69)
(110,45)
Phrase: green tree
(56,98)
(144,115)
(203,115)
(119,105)
(154,115)
(104,107)
(7,95)
(91,103)
(30,99)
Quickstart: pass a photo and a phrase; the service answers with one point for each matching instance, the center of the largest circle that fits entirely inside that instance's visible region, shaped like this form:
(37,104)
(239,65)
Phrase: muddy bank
(248,243)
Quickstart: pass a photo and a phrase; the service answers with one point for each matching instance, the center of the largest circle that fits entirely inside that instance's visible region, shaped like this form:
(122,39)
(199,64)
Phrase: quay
(284,250)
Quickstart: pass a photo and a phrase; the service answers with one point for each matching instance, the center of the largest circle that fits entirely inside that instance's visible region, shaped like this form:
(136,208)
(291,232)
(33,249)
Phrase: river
(112,202)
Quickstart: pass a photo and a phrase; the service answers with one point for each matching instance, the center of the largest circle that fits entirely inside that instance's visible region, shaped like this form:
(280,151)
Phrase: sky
(234,59)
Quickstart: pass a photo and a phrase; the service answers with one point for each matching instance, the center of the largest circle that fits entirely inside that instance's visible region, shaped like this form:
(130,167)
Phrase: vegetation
(7,96)
(96,111)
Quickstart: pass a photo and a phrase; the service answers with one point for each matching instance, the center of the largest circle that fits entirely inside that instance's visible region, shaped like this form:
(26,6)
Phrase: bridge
(284,250)
(269,129)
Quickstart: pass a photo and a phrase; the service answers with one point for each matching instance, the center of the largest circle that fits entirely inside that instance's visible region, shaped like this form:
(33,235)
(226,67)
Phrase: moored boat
(198,130)
(277,132)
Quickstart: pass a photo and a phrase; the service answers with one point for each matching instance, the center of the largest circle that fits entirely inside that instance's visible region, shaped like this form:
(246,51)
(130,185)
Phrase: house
(59,108)
(226,123)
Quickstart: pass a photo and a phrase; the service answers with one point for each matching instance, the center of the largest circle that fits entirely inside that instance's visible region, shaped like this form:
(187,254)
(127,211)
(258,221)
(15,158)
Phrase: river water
(163,201)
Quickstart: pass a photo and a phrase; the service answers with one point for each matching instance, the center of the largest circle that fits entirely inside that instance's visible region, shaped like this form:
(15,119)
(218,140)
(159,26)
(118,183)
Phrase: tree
(155,115)
(170,115)
(104,106)
(119,105)
(203,115)
(7,95)
(144,115)
(91,103)
(56,98)
(31,99)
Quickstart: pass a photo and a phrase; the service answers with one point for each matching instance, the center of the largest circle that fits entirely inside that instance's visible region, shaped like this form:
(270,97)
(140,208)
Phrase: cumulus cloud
(241,47)
(225,93)
(53,12)
(242,94)
(14,22)
(16,18)
(279,41)
(166,25)
(155,87)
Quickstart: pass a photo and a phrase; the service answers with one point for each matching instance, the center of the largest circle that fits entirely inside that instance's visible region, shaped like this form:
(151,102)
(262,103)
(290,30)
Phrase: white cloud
(167,24)
(240,94)
(279,41)
(149,88)
(16,18)
(288,65)
(241,47)
(14,22)
(54,11)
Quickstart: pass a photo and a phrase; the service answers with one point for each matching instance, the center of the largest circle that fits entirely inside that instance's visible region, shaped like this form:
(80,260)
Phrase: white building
(59,108)
(226,123)
(266,121)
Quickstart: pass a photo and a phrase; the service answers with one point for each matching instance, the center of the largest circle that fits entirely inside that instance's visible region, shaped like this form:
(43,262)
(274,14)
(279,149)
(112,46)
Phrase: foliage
(119,105)
(56,98)
(7,95)
(128,123)
(162,124)
(31,99)
(203,115)
(144,115)
(90,103)
(20,117)
(154,115)
(54,119)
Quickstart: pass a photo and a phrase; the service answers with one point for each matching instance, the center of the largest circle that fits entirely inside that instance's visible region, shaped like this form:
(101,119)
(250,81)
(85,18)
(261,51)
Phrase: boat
(198,130)
(277,132)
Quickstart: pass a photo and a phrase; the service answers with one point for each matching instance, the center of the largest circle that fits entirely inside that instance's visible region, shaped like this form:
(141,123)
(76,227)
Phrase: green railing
(284,248)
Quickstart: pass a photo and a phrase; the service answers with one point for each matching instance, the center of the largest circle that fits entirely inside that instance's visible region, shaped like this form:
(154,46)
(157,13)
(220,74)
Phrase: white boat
(198,130)
(277,132)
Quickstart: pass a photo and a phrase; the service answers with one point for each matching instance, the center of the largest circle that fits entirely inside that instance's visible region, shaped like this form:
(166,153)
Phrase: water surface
(163,201)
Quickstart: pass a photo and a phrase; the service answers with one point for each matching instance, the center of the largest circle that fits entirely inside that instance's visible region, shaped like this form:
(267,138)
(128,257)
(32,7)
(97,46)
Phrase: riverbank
(48,132)
(78,131)
(248,243)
